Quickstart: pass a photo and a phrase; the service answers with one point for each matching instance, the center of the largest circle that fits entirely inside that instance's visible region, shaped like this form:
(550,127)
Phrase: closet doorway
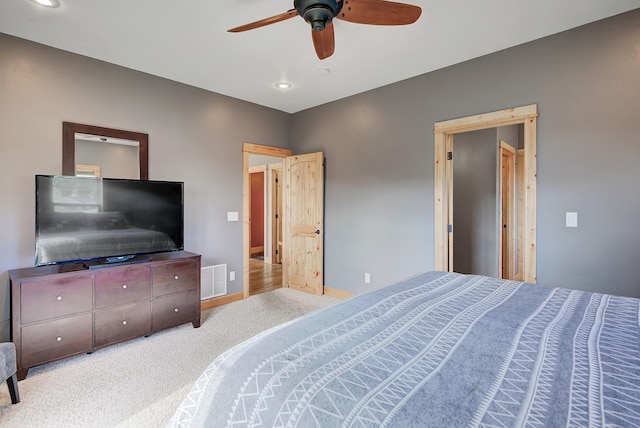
(445,227)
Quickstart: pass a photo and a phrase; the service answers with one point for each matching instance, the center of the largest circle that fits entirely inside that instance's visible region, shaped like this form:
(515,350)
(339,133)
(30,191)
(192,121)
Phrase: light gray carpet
(141,382)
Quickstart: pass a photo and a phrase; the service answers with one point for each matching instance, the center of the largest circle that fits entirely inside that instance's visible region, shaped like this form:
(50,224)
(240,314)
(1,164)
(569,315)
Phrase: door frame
(252,149)
(443,135)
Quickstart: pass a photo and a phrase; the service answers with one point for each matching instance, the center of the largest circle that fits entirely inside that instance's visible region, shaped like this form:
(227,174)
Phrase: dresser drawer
(170,311)
(57,297)
(122,285)
(174,277)
(123,322)
(55,339)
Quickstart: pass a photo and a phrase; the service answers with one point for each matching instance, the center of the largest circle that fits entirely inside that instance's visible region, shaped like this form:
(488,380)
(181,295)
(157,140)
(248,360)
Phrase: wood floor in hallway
(264,276)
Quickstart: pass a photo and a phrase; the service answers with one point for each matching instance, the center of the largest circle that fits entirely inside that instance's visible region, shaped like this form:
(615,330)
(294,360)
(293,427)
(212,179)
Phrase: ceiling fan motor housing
(318,13)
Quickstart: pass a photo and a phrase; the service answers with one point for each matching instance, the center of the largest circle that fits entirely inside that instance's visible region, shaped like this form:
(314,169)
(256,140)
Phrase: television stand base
(119,259)
(98,264)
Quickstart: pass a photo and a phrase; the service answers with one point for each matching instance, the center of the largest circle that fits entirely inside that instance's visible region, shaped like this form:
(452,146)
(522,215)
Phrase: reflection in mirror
(98,156)
(87,170)
(104,152)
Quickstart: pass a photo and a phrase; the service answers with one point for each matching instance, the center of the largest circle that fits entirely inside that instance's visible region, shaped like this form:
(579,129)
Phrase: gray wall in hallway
(195,136)
(379,150)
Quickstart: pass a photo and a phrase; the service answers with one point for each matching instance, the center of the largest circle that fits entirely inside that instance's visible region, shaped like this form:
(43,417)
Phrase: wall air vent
(213,281)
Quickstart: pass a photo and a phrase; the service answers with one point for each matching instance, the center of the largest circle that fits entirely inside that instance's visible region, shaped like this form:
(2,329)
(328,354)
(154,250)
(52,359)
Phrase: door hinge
(449,228)
(277,180)
(276,215)
(449,155)
(277,252)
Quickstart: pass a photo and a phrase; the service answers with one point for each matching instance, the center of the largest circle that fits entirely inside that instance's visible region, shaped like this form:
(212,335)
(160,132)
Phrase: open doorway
(485,206)
(302,226)
(446,231)
(262,206)
(265,223)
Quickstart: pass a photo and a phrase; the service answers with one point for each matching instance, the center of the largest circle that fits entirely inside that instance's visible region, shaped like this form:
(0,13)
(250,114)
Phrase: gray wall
(195,136)
(379,174)
(475,202)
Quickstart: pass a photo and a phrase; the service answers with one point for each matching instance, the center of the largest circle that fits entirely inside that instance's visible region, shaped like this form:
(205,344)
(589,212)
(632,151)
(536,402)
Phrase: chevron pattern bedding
(436,350)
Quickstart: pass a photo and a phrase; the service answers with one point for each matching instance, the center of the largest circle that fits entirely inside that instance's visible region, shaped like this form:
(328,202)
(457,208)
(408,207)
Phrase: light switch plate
(232,216)
(572,219)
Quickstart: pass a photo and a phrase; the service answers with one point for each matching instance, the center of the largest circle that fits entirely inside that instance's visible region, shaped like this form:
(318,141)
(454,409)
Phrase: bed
(436,350)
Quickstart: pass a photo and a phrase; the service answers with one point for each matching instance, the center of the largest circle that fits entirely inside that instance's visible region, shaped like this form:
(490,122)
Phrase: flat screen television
(106,220)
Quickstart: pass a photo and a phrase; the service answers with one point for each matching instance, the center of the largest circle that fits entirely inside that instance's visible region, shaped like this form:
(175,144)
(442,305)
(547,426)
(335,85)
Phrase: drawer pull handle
(124,322)
(59,339)
(176,310)
(124,286)
(58,298)
(176,277)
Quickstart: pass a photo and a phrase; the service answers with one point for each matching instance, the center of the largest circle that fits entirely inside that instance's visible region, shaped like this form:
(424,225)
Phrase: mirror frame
(69,130)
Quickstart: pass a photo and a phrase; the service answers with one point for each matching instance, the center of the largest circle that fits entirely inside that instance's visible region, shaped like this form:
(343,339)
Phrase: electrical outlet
(232,275)
(367,278)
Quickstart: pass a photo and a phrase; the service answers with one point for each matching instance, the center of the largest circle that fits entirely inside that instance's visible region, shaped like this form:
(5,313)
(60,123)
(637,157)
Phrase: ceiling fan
(320,13)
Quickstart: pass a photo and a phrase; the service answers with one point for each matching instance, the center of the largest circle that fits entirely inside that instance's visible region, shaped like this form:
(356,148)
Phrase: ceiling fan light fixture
(47,3)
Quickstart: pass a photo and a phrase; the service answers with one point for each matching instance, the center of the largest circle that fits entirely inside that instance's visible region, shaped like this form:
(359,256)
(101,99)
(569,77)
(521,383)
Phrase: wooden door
(507,168)
(304,222)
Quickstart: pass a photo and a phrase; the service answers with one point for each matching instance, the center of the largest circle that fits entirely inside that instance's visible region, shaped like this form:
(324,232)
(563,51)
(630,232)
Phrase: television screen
(84,219)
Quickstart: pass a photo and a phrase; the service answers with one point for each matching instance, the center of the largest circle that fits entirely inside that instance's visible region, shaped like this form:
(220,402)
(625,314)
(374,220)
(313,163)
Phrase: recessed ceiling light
(283,85)
(47,3)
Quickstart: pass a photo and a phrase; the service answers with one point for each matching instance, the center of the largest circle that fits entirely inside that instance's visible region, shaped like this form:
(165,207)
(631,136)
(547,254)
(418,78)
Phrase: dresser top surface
(36,271)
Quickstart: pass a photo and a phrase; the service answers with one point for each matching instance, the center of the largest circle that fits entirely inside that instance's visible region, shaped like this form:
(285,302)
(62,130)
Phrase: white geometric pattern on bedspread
(435,350)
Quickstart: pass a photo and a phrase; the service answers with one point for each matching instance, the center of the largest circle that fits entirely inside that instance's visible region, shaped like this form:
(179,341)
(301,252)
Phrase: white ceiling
(187,41)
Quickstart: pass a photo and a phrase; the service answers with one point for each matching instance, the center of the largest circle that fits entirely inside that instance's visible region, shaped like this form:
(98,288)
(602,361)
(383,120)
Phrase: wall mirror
(97,151)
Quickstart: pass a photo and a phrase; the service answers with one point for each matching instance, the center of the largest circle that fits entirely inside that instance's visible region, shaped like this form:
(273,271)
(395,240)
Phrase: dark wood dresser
(63,310)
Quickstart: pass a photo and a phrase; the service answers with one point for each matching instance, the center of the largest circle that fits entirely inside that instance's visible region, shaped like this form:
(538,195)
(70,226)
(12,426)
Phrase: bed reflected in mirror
(93,151)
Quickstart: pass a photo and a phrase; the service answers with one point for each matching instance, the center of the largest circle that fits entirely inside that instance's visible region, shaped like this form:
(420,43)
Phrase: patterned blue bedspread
(436,350)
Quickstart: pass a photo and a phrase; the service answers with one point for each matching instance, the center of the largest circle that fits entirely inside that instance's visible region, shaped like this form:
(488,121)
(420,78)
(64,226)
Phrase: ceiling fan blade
(283,16)
(324,41)
(379,12)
